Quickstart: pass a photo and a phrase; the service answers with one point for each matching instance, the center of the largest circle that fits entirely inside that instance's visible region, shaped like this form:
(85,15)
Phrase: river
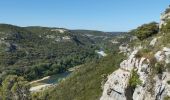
(47,82)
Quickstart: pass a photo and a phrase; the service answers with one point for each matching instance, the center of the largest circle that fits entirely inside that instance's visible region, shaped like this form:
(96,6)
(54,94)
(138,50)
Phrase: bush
(168,82)
(166,28)
(159,68)
(134,80)
(14,88)
(167,98)
(146,30)
(167,10)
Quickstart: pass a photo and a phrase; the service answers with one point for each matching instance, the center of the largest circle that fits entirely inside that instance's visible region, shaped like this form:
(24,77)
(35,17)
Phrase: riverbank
(40,87)
(46,82)
(47,77)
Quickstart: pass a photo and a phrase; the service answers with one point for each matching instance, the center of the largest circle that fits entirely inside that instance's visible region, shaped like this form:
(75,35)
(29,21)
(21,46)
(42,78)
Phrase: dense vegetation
(85,84)
(166,28)
(34,52)
(146,30)
(15,88)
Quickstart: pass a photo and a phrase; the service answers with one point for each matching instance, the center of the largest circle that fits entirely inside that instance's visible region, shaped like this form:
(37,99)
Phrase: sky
(103,15)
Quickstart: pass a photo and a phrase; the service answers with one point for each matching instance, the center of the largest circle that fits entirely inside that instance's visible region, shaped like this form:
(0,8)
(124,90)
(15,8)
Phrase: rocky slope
(144,58)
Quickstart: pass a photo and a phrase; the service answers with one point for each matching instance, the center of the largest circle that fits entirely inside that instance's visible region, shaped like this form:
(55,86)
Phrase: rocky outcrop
(59,30)
(164,17)
(124,48)
(114,88)
(153,42)
(162,88)
(102,53)
(154,86)
(163,55)
(117,83)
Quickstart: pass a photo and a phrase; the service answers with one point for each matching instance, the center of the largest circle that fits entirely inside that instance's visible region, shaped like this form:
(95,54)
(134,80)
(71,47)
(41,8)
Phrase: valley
(67,50)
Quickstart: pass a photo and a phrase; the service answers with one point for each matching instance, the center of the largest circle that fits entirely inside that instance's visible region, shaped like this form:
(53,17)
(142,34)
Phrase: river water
(54,79)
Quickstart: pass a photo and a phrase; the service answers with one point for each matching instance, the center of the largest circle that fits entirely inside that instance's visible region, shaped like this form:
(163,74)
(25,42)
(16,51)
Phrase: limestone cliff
(154,85)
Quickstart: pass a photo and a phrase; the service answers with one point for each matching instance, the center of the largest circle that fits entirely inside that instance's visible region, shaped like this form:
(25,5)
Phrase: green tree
(15,88)
(146,30)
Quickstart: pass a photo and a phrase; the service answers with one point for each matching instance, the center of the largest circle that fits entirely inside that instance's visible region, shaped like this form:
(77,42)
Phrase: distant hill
(35,51)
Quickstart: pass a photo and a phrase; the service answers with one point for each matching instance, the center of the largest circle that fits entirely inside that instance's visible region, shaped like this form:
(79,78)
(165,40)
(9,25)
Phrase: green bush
(146,30)
(167,10)
(134,80)
(14,88)
(166,28)
(167,98)
(159,68)
(168,82)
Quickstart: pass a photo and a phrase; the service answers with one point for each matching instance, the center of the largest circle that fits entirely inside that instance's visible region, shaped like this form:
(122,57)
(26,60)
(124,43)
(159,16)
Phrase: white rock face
(50,36)
(114,88)
(143,70)
(102,53)
(141,93)
(124,48)
(66,38)
(153,42)
(163,55)
(130,62)
(133,38)
(59,30)
(164,17)
(162,88)
(114,41)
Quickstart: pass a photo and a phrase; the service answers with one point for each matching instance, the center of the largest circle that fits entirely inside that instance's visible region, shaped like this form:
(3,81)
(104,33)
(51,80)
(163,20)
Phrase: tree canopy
(14,88)
(146,30)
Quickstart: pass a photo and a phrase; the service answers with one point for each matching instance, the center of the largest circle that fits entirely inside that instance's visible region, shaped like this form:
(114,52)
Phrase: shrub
(168,67)
(167,98)
(146,30)
(159,68)
(167,10)
(134,80)
(168,82)
(166,28)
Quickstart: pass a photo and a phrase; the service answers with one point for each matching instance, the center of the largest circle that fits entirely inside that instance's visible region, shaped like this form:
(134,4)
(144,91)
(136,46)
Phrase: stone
(116,91)
(163,55)
(117,83)
(160,56)
(153,42)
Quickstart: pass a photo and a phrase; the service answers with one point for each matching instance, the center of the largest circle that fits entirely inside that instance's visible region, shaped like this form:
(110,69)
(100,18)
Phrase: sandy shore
(40,87)
(47,77)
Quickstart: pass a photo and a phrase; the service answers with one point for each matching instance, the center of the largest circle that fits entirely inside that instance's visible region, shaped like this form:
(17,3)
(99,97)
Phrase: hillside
(34,52)
(86,82)
(137,70)
(86,64)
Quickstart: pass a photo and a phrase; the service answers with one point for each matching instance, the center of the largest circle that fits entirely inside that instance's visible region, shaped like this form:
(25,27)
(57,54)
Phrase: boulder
(163,55)
(114,88)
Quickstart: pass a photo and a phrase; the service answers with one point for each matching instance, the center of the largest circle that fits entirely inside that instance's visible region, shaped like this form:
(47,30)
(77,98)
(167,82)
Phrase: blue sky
(104,15)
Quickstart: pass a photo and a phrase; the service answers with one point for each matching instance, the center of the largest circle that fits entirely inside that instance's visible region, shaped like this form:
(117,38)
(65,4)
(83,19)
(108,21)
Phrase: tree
(146,30)
(15,88)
